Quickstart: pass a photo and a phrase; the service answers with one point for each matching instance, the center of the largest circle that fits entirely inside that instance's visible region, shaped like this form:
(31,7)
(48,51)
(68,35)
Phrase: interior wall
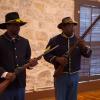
(42,17)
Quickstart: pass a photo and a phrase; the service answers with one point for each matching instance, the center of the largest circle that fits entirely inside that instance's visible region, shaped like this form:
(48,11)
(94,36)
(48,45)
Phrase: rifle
(60,68)
(18,70)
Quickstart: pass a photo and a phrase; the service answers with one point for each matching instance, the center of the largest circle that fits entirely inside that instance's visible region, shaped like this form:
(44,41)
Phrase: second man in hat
(66,82)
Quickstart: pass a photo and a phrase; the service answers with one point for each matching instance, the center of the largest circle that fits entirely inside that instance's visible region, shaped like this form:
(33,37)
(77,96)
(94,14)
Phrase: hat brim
(61,25)
(4,25)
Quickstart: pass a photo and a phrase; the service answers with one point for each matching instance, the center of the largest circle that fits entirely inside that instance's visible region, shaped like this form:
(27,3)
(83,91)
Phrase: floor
(91,95)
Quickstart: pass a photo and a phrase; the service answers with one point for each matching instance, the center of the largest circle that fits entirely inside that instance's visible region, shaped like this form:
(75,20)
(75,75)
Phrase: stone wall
(42,17)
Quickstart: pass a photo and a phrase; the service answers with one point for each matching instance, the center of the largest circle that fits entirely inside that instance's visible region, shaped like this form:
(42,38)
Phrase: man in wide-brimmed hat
(66,79)
(14,52)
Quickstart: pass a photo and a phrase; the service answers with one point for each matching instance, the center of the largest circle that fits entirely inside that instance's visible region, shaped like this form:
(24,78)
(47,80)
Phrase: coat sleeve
(84,48)
(50,57)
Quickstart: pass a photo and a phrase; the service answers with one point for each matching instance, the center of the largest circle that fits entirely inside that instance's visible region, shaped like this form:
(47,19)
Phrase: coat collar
(9,38)
(66,36)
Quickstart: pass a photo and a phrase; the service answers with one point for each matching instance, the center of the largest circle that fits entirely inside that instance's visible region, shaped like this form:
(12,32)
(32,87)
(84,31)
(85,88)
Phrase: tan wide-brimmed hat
(65,21)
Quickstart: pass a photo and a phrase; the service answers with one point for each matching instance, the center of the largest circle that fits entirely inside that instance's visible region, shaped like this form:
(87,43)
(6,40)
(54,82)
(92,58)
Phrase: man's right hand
(10,76)
(61,60)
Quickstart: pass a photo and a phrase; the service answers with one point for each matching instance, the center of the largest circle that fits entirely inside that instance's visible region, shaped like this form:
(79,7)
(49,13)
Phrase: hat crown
(66,20)
(11,16)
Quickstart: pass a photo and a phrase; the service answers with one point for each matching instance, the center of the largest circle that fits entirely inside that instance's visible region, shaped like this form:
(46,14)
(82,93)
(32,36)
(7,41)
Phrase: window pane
(88,14)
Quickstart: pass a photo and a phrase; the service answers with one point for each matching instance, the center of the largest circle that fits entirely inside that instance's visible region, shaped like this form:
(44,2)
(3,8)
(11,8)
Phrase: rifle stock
(60,68)
(6,82)
(4,85)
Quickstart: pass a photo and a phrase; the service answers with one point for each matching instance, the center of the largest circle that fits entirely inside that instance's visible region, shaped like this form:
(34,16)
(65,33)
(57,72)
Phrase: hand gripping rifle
(18,70)
(60,68)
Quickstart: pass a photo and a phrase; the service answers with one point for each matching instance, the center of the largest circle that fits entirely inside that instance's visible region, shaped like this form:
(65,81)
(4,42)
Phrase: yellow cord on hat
(18,20)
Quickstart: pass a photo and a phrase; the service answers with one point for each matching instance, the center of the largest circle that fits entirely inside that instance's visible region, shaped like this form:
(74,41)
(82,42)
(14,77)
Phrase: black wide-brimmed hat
(12,17)
(65,21)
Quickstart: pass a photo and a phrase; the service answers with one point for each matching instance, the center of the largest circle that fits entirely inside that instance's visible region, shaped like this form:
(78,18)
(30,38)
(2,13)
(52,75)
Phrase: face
(13,29)
(68,29)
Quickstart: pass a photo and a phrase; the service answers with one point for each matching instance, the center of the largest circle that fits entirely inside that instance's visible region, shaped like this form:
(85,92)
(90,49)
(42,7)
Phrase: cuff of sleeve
(4,74)
(85,48)
(88,46)
(52,59)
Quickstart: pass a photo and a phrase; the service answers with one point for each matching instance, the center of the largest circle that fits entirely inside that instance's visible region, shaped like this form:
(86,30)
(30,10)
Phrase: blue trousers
(66,86)
(18,94)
